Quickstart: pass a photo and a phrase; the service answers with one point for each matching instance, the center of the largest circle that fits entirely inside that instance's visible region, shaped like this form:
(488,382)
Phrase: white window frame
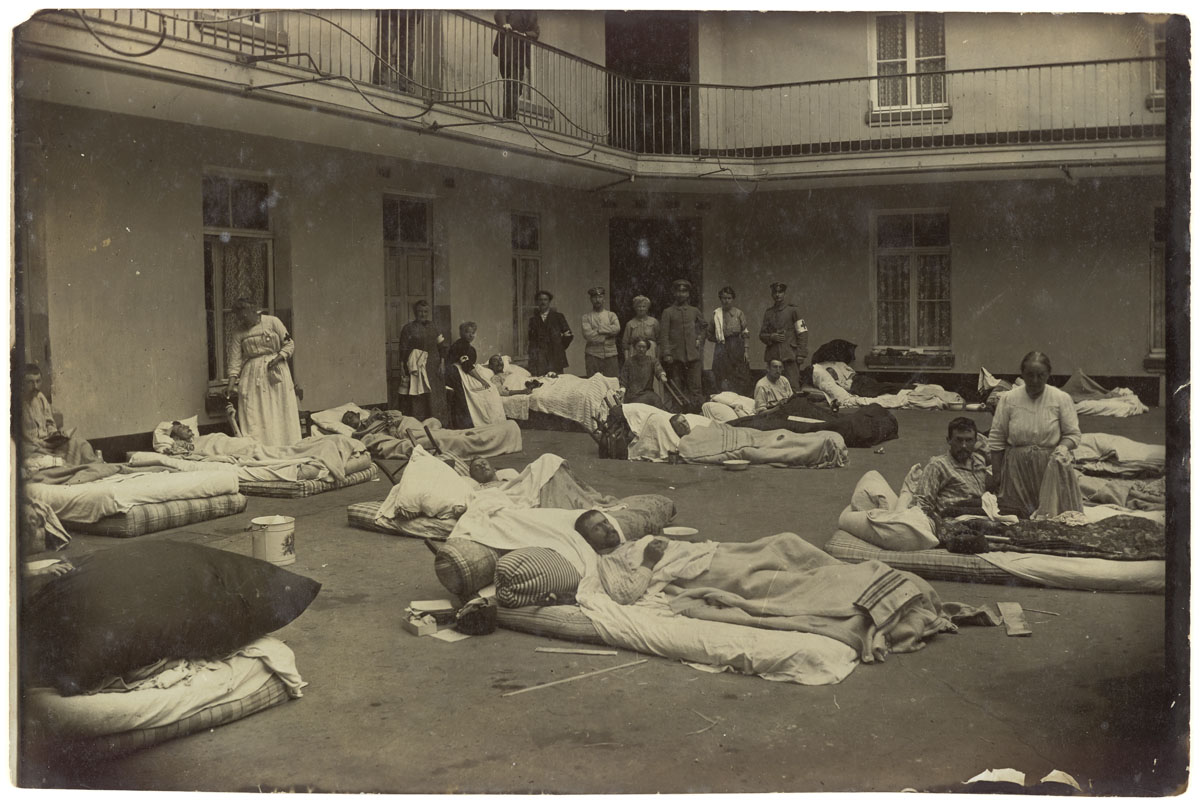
(268,235)
(876,252)
(911,60)
(1158,35)
(524,259)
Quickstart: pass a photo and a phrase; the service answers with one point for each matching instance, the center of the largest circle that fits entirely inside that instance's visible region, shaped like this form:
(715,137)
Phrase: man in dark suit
(549,336)
(518,29)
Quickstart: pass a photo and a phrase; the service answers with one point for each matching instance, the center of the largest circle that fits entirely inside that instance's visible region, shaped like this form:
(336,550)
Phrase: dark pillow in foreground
(131,605)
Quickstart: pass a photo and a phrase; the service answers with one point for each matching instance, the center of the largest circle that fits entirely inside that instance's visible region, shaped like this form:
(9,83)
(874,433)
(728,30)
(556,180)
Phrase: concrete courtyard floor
(386,711)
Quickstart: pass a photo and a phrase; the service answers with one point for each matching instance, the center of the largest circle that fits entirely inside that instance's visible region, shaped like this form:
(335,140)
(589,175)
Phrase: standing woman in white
(258,367)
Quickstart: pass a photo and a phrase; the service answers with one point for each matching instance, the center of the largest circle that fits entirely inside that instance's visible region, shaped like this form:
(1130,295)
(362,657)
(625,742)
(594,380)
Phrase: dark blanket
(835,350)
(1121,537)
(865,427)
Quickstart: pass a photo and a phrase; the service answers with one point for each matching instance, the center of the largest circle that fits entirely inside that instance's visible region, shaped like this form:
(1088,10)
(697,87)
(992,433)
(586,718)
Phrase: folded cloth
(418,380)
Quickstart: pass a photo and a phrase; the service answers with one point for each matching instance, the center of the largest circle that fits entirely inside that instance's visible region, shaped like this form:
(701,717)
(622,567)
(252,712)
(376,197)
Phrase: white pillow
(431,488)
(331,419)
(162,433)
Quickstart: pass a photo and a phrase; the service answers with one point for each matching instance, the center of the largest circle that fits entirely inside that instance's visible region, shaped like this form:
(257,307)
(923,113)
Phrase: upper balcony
(439,72)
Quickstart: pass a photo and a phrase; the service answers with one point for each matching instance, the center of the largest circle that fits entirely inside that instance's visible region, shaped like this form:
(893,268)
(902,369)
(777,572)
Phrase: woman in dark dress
(422,347)
(638,374)
(728,329)
(462,356)
(549,336)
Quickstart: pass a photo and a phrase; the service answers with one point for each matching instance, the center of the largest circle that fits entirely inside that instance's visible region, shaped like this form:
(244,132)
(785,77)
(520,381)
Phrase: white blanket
(179,690)
(88,502)
(654,438)
(483,399)
(649,626)
(575,398)
(281,470)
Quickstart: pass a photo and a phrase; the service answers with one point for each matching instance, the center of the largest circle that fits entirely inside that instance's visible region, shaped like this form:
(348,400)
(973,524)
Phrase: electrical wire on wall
(593,136)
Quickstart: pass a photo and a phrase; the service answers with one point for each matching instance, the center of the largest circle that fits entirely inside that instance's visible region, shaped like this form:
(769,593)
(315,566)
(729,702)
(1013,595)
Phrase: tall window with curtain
(904,44)
(238,257)
(526,265)
(912,279)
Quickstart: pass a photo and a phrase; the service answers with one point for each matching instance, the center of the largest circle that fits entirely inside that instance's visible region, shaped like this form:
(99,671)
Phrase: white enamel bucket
(274,539)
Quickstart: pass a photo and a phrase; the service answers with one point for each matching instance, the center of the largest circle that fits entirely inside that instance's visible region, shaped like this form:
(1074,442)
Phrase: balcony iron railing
(447,57)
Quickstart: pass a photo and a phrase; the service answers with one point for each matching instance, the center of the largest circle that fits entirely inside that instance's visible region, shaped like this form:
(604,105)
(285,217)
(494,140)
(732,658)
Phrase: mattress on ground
(564,622)
(176,698)
(362,515)
(150,517)
(1004,567)
(111,746)
(937,564)
(303,489)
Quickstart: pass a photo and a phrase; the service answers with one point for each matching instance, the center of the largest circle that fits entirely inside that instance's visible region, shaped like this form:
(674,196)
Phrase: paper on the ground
(1061,778)
(797,419)
(999,775)
(450,635)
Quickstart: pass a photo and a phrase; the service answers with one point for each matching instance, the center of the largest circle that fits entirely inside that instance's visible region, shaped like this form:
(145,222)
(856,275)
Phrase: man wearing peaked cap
(600,331)
(681,334)
(784,333)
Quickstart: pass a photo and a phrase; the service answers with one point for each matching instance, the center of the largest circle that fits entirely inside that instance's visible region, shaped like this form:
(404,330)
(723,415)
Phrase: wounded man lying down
(777,582)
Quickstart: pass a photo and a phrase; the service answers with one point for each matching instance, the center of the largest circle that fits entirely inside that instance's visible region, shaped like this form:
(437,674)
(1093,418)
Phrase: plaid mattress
(302,489)
(114,745)
(149,517)
(362,515)
(564,622)
(934,564)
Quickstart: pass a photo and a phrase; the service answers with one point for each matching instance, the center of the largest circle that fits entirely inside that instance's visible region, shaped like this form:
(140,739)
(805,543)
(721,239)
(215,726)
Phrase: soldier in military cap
(784,333)
(681,335)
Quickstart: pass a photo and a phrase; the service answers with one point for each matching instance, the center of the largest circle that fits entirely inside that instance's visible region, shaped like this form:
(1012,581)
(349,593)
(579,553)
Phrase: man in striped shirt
(958,477)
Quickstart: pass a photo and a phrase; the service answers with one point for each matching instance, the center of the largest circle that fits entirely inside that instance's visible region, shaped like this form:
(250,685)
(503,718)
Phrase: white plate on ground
(680,532)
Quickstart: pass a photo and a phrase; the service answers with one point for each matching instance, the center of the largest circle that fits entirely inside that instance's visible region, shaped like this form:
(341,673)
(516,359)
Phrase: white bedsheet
(1121,406)
(575,398)
(193,687)
(280,470)
(1082,573)
(654,438)
(649,626)
(88,502)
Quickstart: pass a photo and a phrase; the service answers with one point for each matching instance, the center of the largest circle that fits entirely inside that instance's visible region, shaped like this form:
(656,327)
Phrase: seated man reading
(46,445)
(777,582)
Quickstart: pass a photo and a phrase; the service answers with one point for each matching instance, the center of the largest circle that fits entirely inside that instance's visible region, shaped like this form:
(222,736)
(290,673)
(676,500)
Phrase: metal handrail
(889,76)
(444,57)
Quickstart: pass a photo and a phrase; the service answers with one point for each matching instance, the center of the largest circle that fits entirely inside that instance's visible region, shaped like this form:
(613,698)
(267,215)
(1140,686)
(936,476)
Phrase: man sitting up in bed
(953,483)
(46,445)
(777,582)
(496,365)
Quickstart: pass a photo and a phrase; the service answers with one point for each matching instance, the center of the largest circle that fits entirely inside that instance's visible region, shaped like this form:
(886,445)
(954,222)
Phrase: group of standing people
(656,351)
(671,348)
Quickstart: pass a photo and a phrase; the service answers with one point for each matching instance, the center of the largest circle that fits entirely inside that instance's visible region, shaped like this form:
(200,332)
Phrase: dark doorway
(655,46)
(646,254)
